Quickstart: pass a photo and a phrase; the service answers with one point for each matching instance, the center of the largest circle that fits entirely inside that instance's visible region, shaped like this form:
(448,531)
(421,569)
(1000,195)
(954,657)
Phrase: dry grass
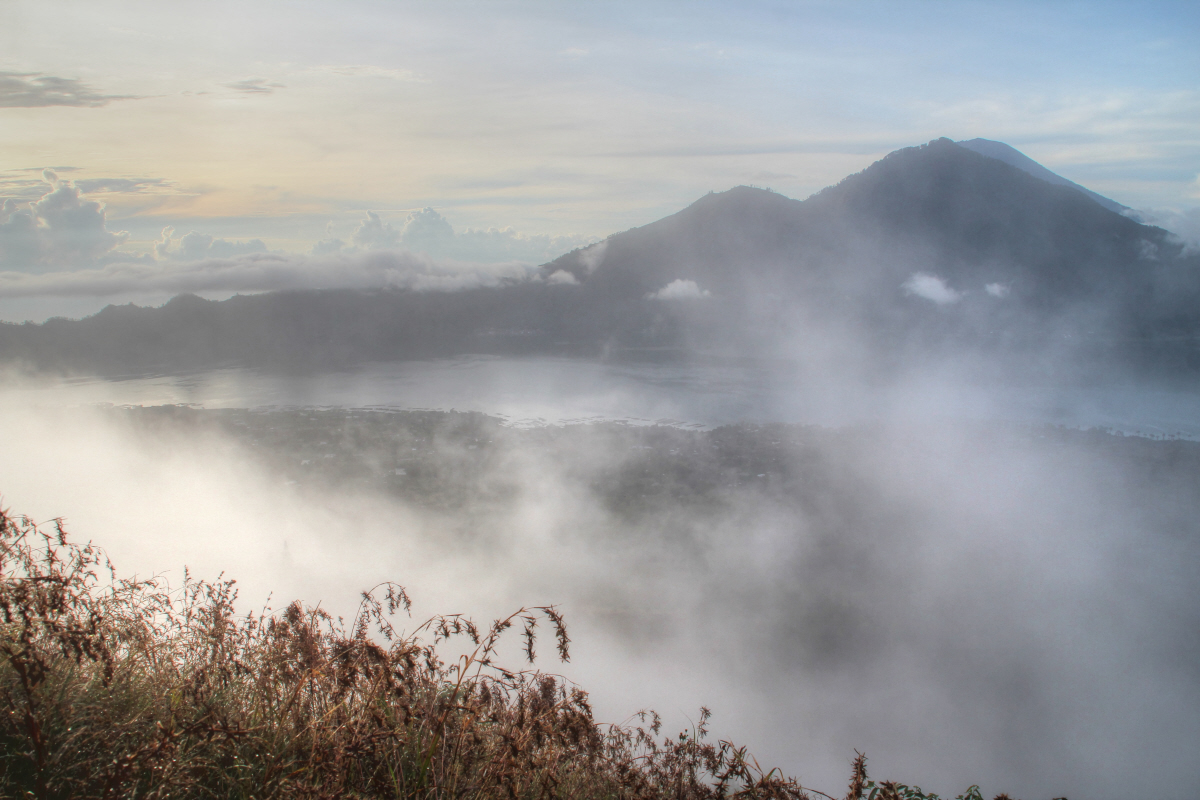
(112,688)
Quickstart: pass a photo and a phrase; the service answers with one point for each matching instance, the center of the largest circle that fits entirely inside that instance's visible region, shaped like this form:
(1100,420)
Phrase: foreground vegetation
(115,687)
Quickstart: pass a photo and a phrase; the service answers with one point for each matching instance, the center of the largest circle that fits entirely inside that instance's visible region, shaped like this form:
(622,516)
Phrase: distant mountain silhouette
(932,252)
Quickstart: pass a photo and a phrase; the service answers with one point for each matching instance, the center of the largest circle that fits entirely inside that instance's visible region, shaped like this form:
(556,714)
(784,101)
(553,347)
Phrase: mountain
(1013,157)
(934,252)
(931,246)
(938,208)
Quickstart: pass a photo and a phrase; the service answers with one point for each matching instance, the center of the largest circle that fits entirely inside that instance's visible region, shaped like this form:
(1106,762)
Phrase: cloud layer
(59,246)
(258,272)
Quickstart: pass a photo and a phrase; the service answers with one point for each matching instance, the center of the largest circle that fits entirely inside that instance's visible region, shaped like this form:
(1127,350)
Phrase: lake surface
(542,390)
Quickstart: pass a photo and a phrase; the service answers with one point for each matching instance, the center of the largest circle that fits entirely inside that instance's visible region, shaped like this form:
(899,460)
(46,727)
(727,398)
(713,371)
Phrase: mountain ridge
(933,251)
(976,212)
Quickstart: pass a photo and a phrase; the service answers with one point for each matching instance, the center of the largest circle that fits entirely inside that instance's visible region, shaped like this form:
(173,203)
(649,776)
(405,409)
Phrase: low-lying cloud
(931,288)
(1185,224)
(55,242)
(593,256)
(563,278)
(680,289)
(260,272)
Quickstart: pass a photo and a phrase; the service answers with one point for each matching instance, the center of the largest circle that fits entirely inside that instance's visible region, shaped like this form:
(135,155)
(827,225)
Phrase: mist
(831,366)
(967,602)
(909,467)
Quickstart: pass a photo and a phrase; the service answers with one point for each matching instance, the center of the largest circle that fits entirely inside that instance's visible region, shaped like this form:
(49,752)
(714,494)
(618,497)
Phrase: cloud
(679,289)
(563,278)
(194,246)
(998,290)
(1185,224)
(35,90)
(593,257)
(932,288)
(22,189)
(60,229)
(258,272)
(427,231)
(373,233)
(254,86)
(328,246)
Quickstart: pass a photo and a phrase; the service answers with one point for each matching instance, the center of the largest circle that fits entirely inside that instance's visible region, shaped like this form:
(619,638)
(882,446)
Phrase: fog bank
(967,603)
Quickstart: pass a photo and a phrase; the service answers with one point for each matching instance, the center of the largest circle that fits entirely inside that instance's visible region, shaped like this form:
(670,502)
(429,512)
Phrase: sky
(160,134)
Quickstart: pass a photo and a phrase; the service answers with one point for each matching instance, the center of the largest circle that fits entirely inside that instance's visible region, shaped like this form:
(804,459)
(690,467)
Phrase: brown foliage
(119,688)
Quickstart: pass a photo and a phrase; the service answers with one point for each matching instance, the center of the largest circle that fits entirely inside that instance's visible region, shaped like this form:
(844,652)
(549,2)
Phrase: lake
(546,390)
